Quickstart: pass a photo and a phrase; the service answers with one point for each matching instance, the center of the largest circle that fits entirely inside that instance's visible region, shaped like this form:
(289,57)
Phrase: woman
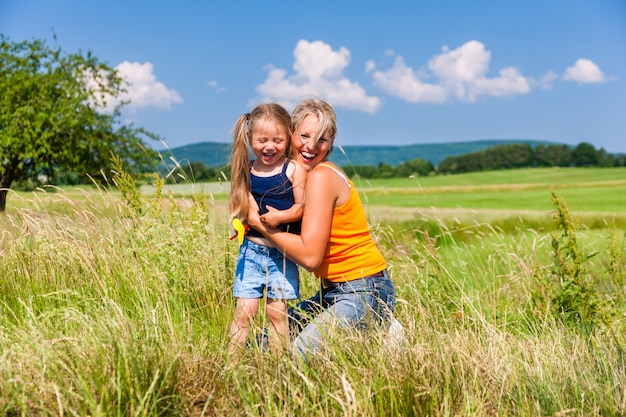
(335,241)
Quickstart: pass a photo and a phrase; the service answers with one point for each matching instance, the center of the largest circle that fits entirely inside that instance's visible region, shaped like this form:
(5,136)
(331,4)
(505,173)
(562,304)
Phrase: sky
(396,72)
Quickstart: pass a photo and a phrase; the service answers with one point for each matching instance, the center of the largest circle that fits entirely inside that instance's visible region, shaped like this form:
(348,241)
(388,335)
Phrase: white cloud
(216,86)
(462,65)
(143,90)
(458,74)
(584,71)
(318,71)
(546,80)
(510,82)
(402,82)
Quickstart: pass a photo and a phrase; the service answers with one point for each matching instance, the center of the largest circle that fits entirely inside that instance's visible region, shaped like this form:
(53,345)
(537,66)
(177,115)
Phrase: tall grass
(118,304)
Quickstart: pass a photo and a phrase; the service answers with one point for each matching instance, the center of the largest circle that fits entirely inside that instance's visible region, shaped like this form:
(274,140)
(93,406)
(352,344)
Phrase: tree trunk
(3,198)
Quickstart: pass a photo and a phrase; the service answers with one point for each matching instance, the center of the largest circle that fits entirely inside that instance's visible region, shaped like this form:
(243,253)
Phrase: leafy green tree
(201,172)
(53,118)
(360,171)
(584,154)
(417,166)
(540,156)
(559,155)
(192,172)
(606,159)
(449,165)
(384,170)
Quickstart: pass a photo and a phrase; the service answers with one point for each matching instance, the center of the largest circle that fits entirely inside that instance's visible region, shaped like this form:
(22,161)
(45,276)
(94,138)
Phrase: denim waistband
(265,250)
(327,284)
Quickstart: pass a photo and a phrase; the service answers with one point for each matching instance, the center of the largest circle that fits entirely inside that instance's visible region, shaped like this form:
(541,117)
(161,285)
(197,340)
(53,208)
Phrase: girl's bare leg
(240,328)
(279,324)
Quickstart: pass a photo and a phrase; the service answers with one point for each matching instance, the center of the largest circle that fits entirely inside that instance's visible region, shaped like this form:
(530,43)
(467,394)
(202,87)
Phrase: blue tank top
(275,191)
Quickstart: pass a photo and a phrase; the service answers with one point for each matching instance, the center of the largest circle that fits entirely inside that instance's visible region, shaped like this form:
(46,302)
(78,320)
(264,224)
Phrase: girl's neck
(267,170)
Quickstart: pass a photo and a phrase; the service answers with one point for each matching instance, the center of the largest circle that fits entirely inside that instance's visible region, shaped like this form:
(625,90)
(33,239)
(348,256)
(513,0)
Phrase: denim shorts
(264,270)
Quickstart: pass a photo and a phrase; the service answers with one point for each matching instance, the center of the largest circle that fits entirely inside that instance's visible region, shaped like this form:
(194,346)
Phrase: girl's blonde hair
(326,117)
(240,153)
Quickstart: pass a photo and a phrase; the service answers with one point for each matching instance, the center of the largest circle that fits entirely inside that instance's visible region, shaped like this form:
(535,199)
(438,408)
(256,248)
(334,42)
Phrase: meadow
(116,301)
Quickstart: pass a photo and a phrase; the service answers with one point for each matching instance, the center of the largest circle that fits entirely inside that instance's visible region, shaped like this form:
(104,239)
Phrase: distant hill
(215,154)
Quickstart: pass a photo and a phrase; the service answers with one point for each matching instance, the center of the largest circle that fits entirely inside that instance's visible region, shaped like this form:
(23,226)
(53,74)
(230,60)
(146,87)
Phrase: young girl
(276,182)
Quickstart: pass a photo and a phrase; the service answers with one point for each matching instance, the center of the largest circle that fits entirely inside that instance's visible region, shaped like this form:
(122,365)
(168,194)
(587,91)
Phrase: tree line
(506,156)
(522,155)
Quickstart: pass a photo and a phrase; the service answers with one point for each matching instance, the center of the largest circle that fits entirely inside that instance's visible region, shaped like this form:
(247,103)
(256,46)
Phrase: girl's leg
(279,324)
(283,284)
(240,328)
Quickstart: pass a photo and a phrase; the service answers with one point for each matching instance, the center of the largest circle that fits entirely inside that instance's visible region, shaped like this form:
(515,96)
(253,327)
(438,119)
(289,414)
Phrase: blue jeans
(354,304)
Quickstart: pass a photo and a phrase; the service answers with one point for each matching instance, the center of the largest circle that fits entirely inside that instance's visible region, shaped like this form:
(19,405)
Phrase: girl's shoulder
(292,167)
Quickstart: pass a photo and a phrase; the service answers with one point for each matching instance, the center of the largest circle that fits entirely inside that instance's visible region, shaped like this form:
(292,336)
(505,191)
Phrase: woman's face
(305,149)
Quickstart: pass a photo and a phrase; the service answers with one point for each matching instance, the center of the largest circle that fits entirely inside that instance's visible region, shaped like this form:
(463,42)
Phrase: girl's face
(269,142)
(306,151)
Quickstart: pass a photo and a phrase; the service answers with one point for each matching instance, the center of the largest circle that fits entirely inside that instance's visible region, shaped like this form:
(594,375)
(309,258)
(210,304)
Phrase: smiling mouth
(307,157)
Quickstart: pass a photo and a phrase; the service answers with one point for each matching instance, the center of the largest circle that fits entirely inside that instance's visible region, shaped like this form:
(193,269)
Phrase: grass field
(586,190)
(117,303)
(511,193)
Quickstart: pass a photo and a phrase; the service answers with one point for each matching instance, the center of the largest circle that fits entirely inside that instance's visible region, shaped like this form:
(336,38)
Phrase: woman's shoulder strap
(337,170)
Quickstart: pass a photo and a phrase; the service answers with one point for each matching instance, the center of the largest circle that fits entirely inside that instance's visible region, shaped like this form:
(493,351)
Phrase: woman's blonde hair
(240,153)
(326,117)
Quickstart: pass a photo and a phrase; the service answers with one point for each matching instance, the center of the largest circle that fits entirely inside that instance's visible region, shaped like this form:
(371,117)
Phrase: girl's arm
(321,192)
(274,217)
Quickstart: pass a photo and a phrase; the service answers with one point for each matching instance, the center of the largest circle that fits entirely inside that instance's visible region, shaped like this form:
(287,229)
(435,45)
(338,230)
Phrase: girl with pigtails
(276,182)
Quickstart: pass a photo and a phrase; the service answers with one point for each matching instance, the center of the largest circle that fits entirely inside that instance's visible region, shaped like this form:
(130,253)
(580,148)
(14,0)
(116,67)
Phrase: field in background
(592,191)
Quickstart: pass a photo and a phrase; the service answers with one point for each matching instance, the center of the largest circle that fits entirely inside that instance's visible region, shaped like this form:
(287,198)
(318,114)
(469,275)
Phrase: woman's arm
(321,192)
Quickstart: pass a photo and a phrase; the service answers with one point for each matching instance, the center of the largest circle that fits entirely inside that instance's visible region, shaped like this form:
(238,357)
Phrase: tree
(559,155)
(417,166)
(384,170)
(584,154)
(53,117)
(540,156)
(360,171)
(191,171)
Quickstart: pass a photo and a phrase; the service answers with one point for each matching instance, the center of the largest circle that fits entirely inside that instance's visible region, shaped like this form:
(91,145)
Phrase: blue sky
(397,72)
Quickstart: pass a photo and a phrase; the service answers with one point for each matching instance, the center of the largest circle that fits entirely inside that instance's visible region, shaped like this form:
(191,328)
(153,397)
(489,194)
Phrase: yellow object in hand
(240,228)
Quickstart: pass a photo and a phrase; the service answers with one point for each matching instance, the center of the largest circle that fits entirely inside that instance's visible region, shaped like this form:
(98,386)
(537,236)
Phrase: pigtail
(240,170)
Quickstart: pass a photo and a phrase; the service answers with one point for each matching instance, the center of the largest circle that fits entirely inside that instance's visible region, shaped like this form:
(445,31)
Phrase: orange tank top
(351,252)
